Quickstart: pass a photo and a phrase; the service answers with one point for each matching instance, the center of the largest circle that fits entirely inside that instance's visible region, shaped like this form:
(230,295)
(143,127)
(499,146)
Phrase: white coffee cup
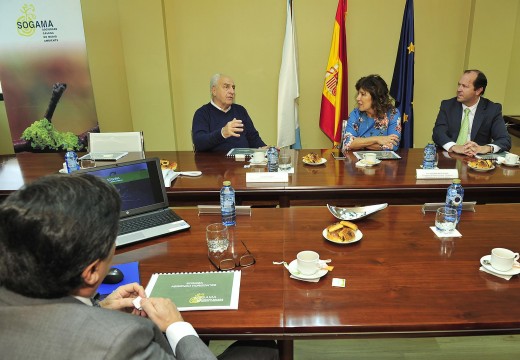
(370,158)
(308,262)
(503,259)
(511,159)
(258,156)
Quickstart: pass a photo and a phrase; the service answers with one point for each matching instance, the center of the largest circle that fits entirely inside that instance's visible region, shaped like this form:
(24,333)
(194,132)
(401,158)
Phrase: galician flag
(334,98)
(288,91)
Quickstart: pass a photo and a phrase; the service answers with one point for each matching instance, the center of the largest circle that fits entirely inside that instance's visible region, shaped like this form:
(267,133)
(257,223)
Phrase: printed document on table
(217,290)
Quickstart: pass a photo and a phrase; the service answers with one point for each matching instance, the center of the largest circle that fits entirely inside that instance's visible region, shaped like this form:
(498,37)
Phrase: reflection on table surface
(337,181)
(401,280)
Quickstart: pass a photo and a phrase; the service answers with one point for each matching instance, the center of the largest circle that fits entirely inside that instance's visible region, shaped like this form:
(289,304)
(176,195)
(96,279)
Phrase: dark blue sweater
(208,121)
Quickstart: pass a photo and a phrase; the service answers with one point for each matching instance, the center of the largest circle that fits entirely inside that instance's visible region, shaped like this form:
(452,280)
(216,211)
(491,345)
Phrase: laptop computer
(113,146)
(144,204)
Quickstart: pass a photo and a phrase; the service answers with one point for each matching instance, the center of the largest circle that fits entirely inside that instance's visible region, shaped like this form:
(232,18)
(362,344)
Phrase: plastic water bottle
(227,204)
(272,159)
(71,161)
(455,196)
(429,156)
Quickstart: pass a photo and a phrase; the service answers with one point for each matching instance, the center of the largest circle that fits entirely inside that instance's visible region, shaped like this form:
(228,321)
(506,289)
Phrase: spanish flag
(334,98)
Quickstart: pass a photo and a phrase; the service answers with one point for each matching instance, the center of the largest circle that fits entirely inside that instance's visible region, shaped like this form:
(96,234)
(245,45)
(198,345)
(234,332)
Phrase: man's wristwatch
(491,149)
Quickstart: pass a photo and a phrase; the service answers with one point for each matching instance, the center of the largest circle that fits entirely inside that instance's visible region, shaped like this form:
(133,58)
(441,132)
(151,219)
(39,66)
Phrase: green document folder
(198,291)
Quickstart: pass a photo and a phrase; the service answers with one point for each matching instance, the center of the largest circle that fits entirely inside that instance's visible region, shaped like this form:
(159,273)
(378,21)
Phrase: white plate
(358,237)
(506,164)
(513,271)
(481,170)
(293,269)
(322,161)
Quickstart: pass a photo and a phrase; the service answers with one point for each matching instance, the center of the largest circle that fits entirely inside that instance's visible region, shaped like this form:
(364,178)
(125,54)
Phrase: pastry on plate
(168,165)
(343,231)
(312,158)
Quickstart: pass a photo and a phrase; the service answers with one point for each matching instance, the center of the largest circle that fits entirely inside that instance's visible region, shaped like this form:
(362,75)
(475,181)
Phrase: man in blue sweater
(221,125)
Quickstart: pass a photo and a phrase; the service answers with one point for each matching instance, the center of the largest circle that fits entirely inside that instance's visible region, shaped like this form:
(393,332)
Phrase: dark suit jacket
(65,328)
(488,124)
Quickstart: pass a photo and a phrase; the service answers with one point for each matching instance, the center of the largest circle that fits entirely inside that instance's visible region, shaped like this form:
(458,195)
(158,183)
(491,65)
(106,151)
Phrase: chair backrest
(118,141)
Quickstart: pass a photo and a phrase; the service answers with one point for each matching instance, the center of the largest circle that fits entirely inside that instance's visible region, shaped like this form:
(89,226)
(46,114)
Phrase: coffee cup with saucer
(511,159)
(258,157)
(485,261)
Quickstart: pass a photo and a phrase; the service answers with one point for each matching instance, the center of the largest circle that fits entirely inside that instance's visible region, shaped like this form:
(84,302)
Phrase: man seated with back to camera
(470,124)
(222,125)
(57,240)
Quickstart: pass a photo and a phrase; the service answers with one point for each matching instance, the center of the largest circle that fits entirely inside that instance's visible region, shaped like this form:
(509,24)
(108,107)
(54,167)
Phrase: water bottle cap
(456,181)
(226,183)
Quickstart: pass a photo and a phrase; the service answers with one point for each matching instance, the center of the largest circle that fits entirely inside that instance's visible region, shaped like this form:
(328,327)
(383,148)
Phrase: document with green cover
(198,291)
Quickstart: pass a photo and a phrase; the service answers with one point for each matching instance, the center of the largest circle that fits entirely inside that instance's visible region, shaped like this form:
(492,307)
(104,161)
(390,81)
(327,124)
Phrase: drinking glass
(217,237)
(446,219)
(285,162)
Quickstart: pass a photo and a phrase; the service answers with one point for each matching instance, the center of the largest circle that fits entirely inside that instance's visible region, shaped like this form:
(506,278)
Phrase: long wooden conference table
(338,182)
(401,280)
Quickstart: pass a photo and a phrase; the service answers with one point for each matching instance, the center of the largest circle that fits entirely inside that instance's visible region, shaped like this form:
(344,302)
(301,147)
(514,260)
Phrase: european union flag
(402,81)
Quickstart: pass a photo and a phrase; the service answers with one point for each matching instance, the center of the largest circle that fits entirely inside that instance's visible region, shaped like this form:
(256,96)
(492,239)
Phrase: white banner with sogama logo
(44,67)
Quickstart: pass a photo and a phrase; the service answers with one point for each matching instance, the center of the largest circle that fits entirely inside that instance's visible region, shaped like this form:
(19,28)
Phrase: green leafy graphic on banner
(43,135)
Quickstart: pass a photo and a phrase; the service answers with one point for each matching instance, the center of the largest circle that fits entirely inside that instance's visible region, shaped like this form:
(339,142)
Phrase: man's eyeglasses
(229,264)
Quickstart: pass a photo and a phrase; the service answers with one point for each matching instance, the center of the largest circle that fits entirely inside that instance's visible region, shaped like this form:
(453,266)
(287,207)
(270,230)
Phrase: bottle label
(429,153)
(71,161)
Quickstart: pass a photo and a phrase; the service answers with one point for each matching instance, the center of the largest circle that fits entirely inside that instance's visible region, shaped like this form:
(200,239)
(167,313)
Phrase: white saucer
(513,271)
(362,163)
(252,162)
(378,161)
(322,161)
(502,161)
(293,269)
(358,237)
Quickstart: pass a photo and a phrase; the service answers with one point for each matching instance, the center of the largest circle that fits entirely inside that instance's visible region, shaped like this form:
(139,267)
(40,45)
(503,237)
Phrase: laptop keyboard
(147,221)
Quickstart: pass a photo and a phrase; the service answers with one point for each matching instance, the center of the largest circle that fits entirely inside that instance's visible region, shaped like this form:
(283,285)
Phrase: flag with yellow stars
(402,81)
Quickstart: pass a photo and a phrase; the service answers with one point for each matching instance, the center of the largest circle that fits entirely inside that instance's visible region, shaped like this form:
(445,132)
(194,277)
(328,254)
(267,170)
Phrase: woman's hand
(387,142)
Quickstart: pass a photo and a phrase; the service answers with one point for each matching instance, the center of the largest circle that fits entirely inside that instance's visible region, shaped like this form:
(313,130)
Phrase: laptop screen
(140,185)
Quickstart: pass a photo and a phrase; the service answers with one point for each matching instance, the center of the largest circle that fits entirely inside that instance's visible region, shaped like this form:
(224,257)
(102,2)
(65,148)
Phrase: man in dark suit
(470,124)
(57,240)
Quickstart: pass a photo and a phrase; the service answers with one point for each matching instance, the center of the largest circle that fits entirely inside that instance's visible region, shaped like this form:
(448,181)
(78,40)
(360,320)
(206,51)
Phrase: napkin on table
(453,233)
(506,277)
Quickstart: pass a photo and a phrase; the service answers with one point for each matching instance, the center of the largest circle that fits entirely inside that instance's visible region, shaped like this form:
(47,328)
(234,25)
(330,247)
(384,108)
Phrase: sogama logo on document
(27,24)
